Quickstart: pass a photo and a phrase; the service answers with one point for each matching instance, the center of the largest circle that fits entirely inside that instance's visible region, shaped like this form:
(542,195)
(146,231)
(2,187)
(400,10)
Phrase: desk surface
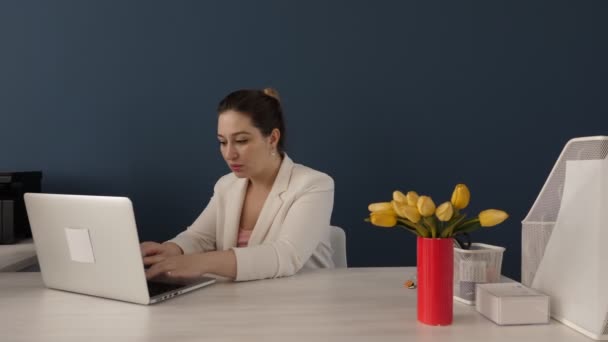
(18,256)
(355,304)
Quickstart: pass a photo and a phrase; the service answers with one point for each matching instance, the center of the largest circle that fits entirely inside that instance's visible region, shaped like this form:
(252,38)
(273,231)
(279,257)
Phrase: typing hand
(181,267)
(154,252)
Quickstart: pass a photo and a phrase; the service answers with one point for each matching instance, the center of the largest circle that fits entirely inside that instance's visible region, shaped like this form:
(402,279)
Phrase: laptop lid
(89,245)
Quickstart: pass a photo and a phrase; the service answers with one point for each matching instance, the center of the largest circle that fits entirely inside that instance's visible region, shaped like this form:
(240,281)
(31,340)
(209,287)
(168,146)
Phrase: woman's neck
(266,179)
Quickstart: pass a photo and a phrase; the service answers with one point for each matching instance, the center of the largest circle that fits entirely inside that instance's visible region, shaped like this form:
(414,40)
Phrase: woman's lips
(236,167)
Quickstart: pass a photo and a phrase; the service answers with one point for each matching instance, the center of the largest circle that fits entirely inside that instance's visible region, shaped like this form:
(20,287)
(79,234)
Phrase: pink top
(243,238)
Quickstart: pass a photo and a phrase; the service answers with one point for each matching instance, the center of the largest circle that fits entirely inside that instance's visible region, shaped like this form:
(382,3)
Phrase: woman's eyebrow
(233,134)
(241,132)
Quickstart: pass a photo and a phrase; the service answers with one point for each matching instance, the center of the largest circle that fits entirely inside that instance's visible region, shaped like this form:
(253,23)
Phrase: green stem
(466,224)
(413,231)
(468,229)
(449,230)
(428,221)
(419,229)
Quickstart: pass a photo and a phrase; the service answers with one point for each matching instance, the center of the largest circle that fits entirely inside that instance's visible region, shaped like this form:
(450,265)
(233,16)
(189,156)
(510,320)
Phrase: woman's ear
(275,137)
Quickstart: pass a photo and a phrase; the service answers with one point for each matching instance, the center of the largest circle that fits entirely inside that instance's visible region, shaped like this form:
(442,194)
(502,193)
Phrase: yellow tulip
(390,212)
(492,217)
(461,196)
(399,197)
(380,206)
(444,212)
(412,198)
(405,211)
(383,219)
(426,206)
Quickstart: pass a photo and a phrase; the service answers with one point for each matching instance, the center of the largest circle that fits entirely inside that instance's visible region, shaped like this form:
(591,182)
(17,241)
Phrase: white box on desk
(512,303)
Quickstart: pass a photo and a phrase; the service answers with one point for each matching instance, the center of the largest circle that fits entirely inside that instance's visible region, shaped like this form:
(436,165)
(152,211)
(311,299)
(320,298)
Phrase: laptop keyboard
(156,288)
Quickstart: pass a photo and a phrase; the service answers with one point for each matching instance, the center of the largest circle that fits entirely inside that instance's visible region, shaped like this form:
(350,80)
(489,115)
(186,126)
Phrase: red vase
(435,281)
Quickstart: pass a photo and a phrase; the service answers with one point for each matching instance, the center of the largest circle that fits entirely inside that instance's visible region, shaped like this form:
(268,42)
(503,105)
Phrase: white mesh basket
(538,225)
(480,264)
(564,237)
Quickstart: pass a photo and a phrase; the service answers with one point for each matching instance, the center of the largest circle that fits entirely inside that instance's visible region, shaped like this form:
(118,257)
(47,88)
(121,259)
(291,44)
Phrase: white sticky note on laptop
(79,244)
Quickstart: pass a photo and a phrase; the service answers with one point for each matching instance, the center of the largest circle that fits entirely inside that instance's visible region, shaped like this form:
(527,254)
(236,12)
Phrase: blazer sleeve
(201,235)
(304,226)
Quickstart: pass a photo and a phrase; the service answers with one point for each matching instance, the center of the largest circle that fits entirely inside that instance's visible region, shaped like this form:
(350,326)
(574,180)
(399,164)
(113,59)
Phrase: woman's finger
(149,248)
(158,269)
(154,259)
(183,274)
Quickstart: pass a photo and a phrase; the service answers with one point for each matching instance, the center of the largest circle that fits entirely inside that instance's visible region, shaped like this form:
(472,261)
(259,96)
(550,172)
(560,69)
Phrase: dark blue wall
(119,98)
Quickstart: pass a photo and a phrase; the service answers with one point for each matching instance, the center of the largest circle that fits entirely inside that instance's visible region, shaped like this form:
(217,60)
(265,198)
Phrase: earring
(273,153)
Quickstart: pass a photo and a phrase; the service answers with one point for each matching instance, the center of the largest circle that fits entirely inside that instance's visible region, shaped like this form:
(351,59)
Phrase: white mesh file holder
(563,237)
(480,264)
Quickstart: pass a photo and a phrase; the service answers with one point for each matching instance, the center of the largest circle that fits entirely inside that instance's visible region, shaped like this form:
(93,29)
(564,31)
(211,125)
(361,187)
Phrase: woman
(268,218)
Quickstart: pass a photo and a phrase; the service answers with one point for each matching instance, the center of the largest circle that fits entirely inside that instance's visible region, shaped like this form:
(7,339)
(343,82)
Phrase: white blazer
(291,232)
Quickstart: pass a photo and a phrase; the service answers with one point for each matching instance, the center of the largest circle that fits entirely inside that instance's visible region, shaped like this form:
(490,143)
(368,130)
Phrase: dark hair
(262,106)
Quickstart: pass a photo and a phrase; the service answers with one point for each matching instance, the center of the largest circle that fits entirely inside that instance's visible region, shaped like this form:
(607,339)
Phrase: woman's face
(246,151)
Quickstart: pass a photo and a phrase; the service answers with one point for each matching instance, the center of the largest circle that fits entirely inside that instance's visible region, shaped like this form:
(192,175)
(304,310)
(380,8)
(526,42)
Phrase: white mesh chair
(338,244)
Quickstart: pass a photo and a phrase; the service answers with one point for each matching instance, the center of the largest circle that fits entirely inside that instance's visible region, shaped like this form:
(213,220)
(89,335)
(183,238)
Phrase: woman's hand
(189,266)
(192,266)
(154,252)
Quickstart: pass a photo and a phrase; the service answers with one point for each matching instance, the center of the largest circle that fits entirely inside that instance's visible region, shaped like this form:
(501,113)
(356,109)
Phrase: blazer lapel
(234,205)
(273,203)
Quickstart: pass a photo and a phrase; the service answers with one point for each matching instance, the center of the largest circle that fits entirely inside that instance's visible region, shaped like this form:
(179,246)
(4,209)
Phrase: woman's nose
(231,152)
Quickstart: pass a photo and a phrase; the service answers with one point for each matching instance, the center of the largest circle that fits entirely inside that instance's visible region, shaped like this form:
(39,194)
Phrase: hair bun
(272,93)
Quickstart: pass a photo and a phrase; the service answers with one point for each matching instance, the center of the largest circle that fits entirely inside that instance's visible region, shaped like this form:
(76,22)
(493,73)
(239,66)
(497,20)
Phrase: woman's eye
(241,141)
(222,143)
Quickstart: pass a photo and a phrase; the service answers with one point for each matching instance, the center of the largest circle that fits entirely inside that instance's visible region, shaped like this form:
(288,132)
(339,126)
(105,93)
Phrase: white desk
(356,304)
(18,256)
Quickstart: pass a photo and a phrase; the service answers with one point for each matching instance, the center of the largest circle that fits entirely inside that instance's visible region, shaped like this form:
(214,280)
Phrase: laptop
(89,245)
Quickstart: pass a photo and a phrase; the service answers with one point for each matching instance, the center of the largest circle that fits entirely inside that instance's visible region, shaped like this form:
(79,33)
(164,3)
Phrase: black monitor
(14,225)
